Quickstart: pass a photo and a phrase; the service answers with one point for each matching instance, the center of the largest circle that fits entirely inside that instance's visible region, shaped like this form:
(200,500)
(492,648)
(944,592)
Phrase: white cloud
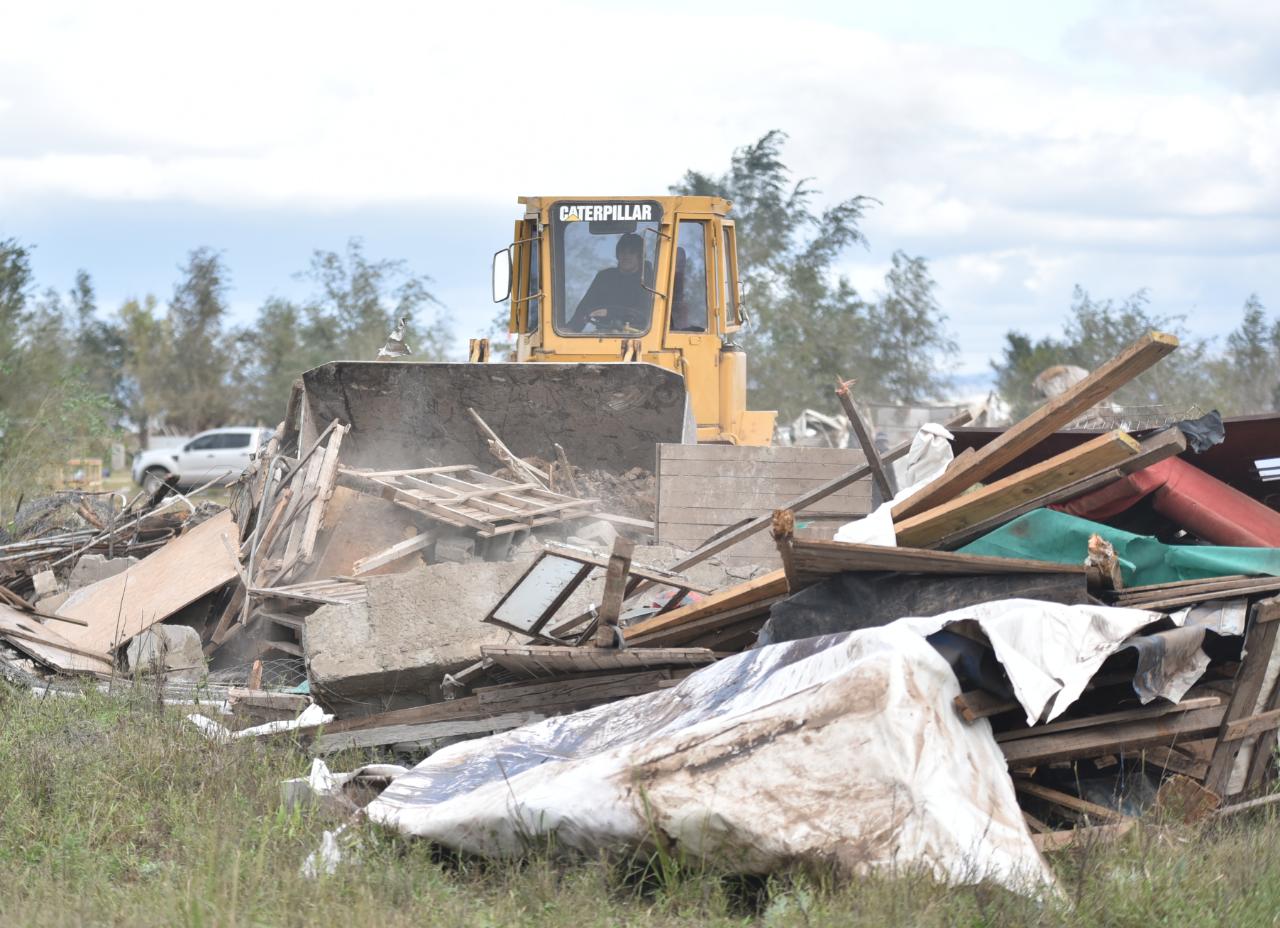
(1018,179)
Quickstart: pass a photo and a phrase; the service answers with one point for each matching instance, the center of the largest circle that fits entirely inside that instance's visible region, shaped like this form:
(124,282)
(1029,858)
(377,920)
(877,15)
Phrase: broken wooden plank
(47,646)
(1155,448)
(1074,837)
(1107,718)
(392,554)
(1104,452)
(1246,696)
(615,585)
(815,559)
(769,585)
(326,481)
(1053,415)
(553,660)
(1067,801)
(979,704)
(869,450)
(1126,737)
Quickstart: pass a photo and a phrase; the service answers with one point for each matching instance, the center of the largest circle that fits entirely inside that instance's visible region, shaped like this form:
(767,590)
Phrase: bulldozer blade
(411,414)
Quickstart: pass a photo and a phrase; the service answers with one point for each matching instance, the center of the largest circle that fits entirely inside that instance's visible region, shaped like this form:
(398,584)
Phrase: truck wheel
(153,478)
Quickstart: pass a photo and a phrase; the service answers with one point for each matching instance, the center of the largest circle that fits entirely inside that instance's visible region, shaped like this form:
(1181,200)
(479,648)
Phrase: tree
(147,356)
(196,393)
(1247,374)
(810,324)
(48,413)
(1095,332)
(355,306)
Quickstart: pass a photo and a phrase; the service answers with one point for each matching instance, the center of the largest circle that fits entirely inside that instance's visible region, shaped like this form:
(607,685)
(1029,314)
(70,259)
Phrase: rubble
(1023,637)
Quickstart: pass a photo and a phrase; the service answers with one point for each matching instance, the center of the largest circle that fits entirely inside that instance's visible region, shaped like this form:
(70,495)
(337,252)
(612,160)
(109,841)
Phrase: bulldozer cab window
(603,268)
(689,291)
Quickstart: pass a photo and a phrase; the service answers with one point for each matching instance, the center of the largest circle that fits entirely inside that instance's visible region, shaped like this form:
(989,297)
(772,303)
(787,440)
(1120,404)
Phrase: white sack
(842,750)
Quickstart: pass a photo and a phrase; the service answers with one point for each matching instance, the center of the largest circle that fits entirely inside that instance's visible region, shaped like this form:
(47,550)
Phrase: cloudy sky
(1024,148)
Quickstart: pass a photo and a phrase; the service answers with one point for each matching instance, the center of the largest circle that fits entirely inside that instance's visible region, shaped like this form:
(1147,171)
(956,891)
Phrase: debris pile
(958,652)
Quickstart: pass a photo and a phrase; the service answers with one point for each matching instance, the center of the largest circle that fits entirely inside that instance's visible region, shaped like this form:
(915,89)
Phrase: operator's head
(630,252)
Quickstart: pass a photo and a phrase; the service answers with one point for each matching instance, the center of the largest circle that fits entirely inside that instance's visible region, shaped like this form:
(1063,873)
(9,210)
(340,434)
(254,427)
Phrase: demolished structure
(1013,639)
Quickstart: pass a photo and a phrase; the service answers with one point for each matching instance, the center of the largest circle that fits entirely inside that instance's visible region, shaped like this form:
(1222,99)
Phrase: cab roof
(670,204)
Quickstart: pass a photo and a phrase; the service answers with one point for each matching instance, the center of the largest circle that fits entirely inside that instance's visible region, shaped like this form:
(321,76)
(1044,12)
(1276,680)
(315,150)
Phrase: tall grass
(116,811)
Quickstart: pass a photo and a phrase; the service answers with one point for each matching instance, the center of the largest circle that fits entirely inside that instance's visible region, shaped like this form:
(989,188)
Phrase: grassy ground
(115,811)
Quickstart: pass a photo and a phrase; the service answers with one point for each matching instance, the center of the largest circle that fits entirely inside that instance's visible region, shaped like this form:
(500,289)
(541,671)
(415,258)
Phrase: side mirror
(501,275)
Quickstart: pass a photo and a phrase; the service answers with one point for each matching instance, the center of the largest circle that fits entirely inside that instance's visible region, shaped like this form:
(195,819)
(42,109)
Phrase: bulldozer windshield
(603,268)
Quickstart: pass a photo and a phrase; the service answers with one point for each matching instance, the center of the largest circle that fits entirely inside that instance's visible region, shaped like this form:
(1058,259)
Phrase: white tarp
(928,458)
(845,750)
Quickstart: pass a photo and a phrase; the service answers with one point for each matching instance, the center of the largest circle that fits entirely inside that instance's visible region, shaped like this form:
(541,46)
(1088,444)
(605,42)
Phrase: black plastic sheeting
(851,601)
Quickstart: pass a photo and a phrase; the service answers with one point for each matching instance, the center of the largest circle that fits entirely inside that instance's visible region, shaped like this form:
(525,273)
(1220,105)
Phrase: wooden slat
(1129,737)
(1258,647)
(1074,837)
(817,559)
(1155,449)
(1108,718)
(555,660)
(392,554)
(1053,415)
(1101,453)
(1067,801)
(769,585)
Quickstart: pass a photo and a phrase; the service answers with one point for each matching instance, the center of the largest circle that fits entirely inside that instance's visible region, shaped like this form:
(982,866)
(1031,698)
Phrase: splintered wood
(466,497)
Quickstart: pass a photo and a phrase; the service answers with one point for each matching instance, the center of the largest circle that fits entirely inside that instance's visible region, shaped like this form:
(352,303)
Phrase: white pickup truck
(218,454)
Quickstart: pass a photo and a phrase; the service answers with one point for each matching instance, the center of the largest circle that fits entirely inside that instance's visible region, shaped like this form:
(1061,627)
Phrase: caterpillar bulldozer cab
(652,280)
(624,310)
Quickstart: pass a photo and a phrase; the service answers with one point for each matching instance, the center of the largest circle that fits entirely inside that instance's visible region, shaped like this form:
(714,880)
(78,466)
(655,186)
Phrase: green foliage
(196,392)
(811,325)
(51,408)
(1095,332)
(1247,373)
(356,304)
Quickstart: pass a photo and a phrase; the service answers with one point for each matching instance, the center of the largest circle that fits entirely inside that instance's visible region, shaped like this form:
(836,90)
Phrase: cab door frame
(699,351)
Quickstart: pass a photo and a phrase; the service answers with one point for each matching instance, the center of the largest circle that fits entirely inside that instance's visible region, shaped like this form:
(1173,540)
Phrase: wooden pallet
(465,497)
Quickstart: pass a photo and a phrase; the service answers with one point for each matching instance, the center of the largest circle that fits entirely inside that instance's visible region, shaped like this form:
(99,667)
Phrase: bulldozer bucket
(411,414)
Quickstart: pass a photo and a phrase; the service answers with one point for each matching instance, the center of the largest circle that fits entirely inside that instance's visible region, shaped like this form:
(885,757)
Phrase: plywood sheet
(47,646)
(187,568)
(705,488)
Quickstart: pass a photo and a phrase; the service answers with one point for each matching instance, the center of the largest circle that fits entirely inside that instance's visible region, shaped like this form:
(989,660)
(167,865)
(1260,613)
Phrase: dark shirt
(622,294)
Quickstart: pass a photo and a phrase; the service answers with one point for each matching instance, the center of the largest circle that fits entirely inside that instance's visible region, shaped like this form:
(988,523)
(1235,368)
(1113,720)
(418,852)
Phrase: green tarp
(1049,535)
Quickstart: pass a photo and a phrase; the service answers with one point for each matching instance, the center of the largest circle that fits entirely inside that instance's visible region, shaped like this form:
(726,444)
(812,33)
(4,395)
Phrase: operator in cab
(617,298)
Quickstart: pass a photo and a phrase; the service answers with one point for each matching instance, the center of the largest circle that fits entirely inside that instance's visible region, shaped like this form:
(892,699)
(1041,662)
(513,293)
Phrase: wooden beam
(1071,837)
(615,587)
(1129,737)
(1053,415)
(1156,448)
(1258,647)
(1067,801)
(1101,453)
(1107,718)
(869,450)
(766,586)
(394,553)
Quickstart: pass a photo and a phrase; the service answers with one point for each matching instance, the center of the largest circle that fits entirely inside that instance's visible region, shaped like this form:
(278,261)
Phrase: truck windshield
(605,255)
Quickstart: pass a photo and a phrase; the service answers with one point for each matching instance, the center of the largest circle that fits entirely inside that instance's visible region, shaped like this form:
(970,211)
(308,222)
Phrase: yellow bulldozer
(623,310)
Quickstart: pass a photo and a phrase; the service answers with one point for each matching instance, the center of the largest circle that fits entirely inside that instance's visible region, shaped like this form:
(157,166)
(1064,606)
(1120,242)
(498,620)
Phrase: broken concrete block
(173,650)
(45,583)
(598,534)
(454,549)
(94,567)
